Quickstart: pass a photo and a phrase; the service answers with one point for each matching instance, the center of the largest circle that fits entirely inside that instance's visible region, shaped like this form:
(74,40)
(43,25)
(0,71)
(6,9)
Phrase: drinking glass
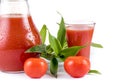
(80,34)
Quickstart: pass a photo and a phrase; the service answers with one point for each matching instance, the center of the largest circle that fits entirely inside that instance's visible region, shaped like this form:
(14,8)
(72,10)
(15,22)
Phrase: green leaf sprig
(43,33)
(96,45)
(54,66)
(55,44)
(94,72)
(57,50)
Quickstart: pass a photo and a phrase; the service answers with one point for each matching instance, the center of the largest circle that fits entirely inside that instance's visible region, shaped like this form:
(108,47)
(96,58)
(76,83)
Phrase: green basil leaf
(96,45)
(37,49)
(94,71)
(47,56)
(70,51)
(61,32)
(55,44)
(54,67)
(49,49)
(65,45)
(43,33)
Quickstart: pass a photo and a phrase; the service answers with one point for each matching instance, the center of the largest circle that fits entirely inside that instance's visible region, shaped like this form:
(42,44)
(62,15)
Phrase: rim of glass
(68,23)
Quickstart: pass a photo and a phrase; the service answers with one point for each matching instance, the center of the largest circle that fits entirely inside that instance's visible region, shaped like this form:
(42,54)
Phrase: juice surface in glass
(80,35)
(17,34)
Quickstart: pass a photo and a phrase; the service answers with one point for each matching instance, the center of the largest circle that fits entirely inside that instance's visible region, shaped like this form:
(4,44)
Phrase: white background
(107,17)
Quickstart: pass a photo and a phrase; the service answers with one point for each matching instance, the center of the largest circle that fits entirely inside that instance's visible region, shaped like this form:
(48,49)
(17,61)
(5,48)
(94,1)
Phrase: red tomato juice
(17,34)
(80,35)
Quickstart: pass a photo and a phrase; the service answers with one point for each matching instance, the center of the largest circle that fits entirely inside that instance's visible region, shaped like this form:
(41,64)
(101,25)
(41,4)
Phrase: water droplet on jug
(1,37)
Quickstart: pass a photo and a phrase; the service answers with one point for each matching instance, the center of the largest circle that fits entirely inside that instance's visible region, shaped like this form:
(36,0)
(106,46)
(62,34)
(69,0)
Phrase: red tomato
(77,66)
(35,67)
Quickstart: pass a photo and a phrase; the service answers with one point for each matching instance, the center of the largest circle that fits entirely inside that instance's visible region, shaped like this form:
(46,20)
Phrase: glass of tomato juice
(80,34)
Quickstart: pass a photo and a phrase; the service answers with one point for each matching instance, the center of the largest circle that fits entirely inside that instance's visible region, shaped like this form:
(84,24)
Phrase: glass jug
(17,34)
